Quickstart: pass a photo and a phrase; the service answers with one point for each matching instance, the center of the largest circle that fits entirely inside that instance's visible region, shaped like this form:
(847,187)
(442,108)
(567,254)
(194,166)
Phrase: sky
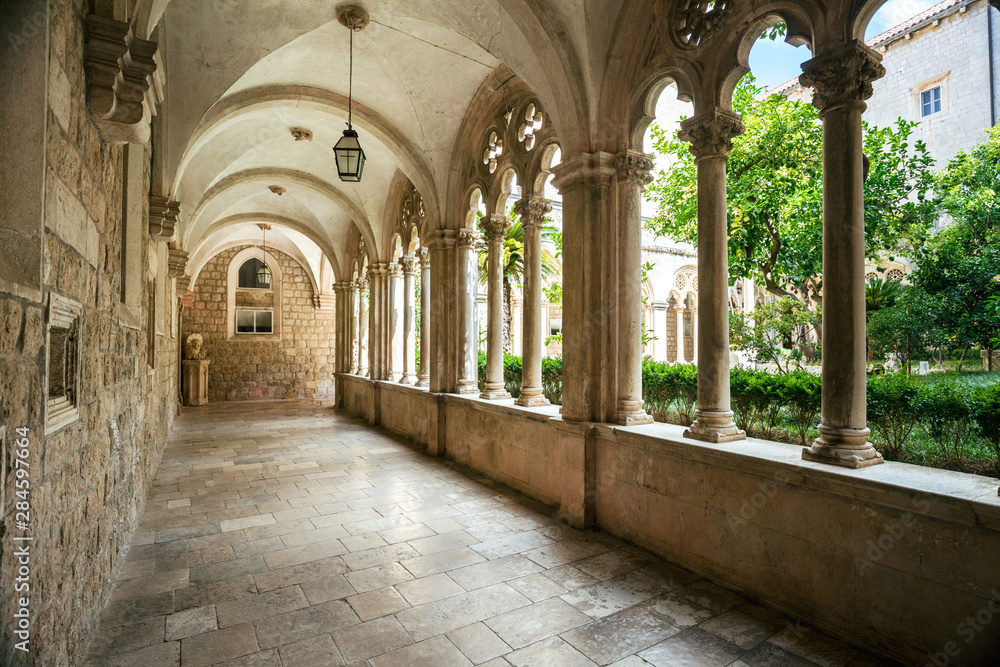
(774,63)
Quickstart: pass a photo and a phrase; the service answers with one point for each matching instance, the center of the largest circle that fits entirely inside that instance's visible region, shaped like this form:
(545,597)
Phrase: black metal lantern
(263,273)
(350,157)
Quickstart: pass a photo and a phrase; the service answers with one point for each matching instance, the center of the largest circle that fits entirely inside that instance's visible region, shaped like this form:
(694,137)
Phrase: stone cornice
(711,134)
(590,169)
(842,77)
(177,260)
(163,215)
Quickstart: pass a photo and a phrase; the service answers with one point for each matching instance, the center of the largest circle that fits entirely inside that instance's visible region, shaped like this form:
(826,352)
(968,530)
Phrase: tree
(774,333)
(906,327)
(960,265)
(881,293)
(512,265)
(775,192)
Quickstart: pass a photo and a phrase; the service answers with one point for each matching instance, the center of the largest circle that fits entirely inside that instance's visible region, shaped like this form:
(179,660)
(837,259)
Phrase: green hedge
(944,423)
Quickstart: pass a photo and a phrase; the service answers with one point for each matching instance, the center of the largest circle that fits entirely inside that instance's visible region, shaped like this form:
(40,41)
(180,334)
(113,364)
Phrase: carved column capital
(409,265)
(177,260)
(711,134)
(495,227)
(163,215)
(424,257)
(363,283)
(532,211)
(593,170)
(467,238)
(634,168)
(842,77)
(394,271)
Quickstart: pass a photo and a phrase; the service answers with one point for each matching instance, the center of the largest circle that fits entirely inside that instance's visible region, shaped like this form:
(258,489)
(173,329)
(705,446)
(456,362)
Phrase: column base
(714,426)
(630,413)
(531,397)
(494,392)
(423,381)
(467,387)
(845,447)
(408,378)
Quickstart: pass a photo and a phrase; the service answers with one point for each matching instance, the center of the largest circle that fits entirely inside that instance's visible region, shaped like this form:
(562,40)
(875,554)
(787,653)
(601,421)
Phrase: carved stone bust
(194,347)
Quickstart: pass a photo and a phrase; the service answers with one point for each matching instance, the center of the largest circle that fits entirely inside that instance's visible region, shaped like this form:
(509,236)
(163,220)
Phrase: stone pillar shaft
(495,227)
(354,316)
(443,339)
(842,81)
(711,137)
(394,349)
(679,313)
(532,213)
(634,173)
(467,290)
(409,265)
(424,375)
(363,327)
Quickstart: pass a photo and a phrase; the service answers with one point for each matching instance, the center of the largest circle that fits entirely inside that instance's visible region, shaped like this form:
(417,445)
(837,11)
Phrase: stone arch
(475,199)
(643,111)
(503,192)
(541,166)
(863,16)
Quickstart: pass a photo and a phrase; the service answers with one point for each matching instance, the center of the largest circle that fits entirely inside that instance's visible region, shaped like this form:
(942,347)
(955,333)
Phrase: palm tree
(881,293)
(513,265)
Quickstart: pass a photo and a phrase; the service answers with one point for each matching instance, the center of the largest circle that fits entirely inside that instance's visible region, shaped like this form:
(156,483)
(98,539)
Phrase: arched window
(248,274)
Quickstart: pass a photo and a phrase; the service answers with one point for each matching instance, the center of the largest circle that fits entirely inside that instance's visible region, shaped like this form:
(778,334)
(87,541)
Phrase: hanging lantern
(263,273)
(350,157)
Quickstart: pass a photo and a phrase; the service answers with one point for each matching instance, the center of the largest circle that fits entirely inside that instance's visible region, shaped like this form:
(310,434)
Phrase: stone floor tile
(363,542)
(129,637)
(219,591)
(364,640)
(406,533)
(445,542)
(739,628)
(378,577)
(460,610)
(631,661)
(361,560)
(437,651)
(218,646)
(312,652)
(770,655)
(569,577)
(299,574)
(260,606)
(130,609)
(496,662)
(492,572)
(136,568)
(549,653)
(478,643)
(506,546)
(714,598)
(614,637)
(193,621)
(250,521)
(561,553)
(374,604)
(607,597)
(537,587)
(610,564)
(692,648)
(304,537)
(325,590)
(439,525)
(231,569)
(297,555)
(429,589)
(532,623)
(816,647)
(268,658)
(296,625)
(424,566)
(160,655)
(680,611)
(266,545)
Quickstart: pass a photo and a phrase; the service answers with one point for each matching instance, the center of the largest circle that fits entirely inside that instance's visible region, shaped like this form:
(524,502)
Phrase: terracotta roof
(887,36)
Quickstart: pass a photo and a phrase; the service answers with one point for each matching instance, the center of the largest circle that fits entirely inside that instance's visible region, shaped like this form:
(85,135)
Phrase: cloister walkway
(285,533)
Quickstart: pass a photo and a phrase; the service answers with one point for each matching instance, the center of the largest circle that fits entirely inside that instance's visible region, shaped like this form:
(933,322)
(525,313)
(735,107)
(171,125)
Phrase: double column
(711,136)
(532,213)
(842,81)
(354,317)
(342,363)
(362,325)
(394,307)
(495,227)
(376,318)
(409,337)
(634,172)
(424,375)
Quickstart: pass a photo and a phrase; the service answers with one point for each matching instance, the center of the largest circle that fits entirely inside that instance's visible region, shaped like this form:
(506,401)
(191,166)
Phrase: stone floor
(288,534)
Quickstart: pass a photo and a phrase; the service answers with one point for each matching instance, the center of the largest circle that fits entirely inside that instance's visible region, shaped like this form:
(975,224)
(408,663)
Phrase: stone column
(495,228)
(443,339)
(516,326)
(679,311)
(532,213)
(375,322)
(394,318)
(340,363)
(424,375)
(409,265)
(842,81)
(634,174)
(694,338)
(711,137)
(363,326)
(354,344)
(467,289)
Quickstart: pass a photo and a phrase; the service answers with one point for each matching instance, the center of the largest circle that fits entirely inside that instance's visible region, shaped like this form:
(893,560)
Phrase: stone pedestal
(196,381)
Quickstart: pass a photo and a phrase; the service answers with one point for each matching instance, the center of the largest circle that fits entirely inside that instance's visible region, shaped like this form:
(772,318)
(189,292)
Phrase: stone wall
(88,480)
(299,365)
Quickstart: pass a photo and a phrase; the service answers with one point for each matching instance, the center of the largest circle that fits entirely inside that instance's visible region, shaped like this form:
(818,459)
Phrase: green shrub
(944,412)
(891,414)
(987,413)
(552,379)
(755,397)
(799,391)
(670,391)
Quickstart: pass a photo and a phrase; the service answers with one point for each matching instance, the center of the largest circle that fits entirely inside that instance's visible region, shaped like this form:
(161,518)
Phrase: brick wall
(87,484)
(300,365)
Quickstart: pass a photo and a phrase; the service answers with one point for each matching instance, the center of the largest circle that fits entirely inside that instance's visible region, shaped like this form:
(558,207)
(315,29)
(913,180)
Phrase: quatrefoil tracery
(494,149)
(532,123)
(697,20)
